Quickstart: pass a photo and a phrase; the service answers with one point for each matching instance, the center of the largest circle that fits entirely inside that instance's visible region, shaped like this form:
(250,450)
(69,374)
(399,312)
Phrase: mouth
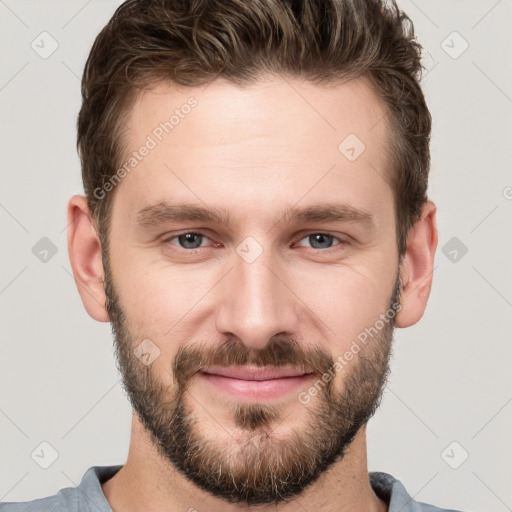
(255,382)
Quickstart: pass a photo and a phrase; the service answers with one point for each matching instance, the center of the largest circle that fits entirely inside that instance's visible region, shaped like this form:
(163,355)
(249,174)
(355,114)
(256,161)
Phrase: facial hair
(257,467)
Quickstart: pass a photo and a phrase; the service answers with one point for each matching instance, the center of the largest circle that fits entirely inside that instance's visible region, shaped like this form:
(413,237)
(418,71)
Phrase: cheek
(163,304)
(351,310)
(155,303)
(344,301)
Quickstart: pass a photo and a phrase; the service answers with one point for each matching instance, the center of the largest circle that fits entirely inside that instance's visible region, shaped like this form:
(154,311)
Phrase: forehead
(280,108)
(275,140)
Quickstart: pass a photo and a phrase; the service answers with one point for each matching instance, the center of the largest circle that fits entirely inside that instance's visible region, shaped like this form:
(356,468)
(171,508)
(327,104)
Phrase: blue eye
(321,240)
(187,240)
(191,240)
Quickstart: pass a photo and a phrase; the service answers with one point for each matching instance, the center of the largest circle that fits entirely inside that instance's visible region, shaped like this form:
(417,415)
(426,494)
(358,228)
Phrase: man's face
(259,288)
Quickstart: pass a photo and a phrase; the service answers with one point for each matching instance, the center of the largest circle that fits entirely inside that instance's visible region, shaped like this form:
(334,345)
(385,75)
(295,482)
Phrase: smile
(257,383)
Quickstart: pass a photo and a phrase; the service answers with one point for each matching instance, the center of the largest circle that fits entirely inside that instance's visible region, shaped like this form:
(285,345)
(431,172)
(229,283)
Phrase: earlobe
(85,256)
(417,267)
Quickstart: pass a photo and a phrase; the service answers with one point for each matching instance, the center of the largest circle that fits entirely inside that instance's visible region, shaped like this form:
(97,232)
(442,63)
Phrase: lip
(258,383)
(254,372)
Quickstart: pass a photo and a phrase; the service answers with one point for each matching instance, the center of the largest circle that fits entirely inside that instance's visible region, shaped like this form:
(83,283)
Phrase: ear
(417,267)
(85,255)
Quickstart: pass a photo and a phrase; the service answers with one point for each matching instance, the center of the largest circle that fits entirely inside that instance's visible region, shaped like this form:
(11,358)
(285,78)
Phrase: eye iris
(321,238)
(188,238)
(193,240)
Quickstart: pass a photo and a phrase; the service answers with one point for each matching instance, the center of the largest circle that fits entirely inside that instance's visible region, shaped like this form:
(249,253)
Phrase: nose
(255,301)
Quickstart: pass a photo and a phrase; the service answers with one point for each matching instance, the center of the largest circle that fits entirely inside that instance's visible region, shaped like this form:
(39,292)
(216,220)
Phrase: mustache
(277,352)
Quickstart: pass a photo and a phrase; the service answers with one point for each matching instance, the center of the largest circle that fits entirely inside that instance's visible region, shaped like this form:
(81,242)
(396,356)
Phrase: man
(255,225)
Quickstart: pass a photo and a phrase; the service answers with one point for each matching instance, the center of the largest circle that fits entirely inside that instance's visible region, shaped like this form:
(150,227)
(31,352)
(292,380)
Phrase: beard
(255,466)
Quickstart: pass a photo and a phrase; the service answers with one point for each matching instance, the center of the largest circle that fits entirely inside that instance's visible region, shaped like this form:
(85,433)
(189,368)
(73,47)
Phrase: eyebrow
(165,212)
(329,212)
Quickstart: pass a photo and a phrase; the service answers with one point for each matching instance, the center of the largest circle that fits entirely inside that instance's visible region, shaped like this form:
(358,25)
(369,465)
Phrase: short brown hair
(191,42)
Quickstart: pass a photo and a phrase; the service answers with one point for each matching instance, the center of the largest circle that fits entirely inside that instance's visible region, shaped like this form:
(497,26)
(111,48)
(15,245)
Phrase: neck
(149,482)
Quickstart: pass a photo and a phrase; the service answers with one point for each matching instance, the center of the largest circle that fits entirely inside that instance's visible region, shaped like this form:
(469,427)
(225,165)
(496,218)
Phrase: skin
(252,152)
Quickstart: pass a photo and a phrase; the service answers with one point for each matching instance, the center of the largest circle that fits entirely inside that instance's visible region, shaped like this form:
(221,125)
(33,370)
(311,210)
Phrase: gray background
(451,379)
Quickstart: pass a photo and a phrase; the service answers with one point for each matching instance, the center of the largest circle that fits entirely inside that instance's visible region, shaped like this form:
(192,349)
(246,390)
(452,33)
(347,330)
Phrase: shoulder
(391,490)
(86,497)
(65,500)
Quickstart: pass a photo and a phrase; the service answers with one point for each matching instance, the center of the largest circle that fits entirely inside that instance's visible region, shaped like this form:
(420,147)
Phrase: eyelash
(168,240)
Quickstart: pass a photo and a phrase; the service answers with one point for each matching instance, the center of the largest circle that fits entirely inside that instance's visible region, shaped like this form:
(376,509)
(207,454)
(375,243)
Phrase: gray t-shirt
(88,496)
